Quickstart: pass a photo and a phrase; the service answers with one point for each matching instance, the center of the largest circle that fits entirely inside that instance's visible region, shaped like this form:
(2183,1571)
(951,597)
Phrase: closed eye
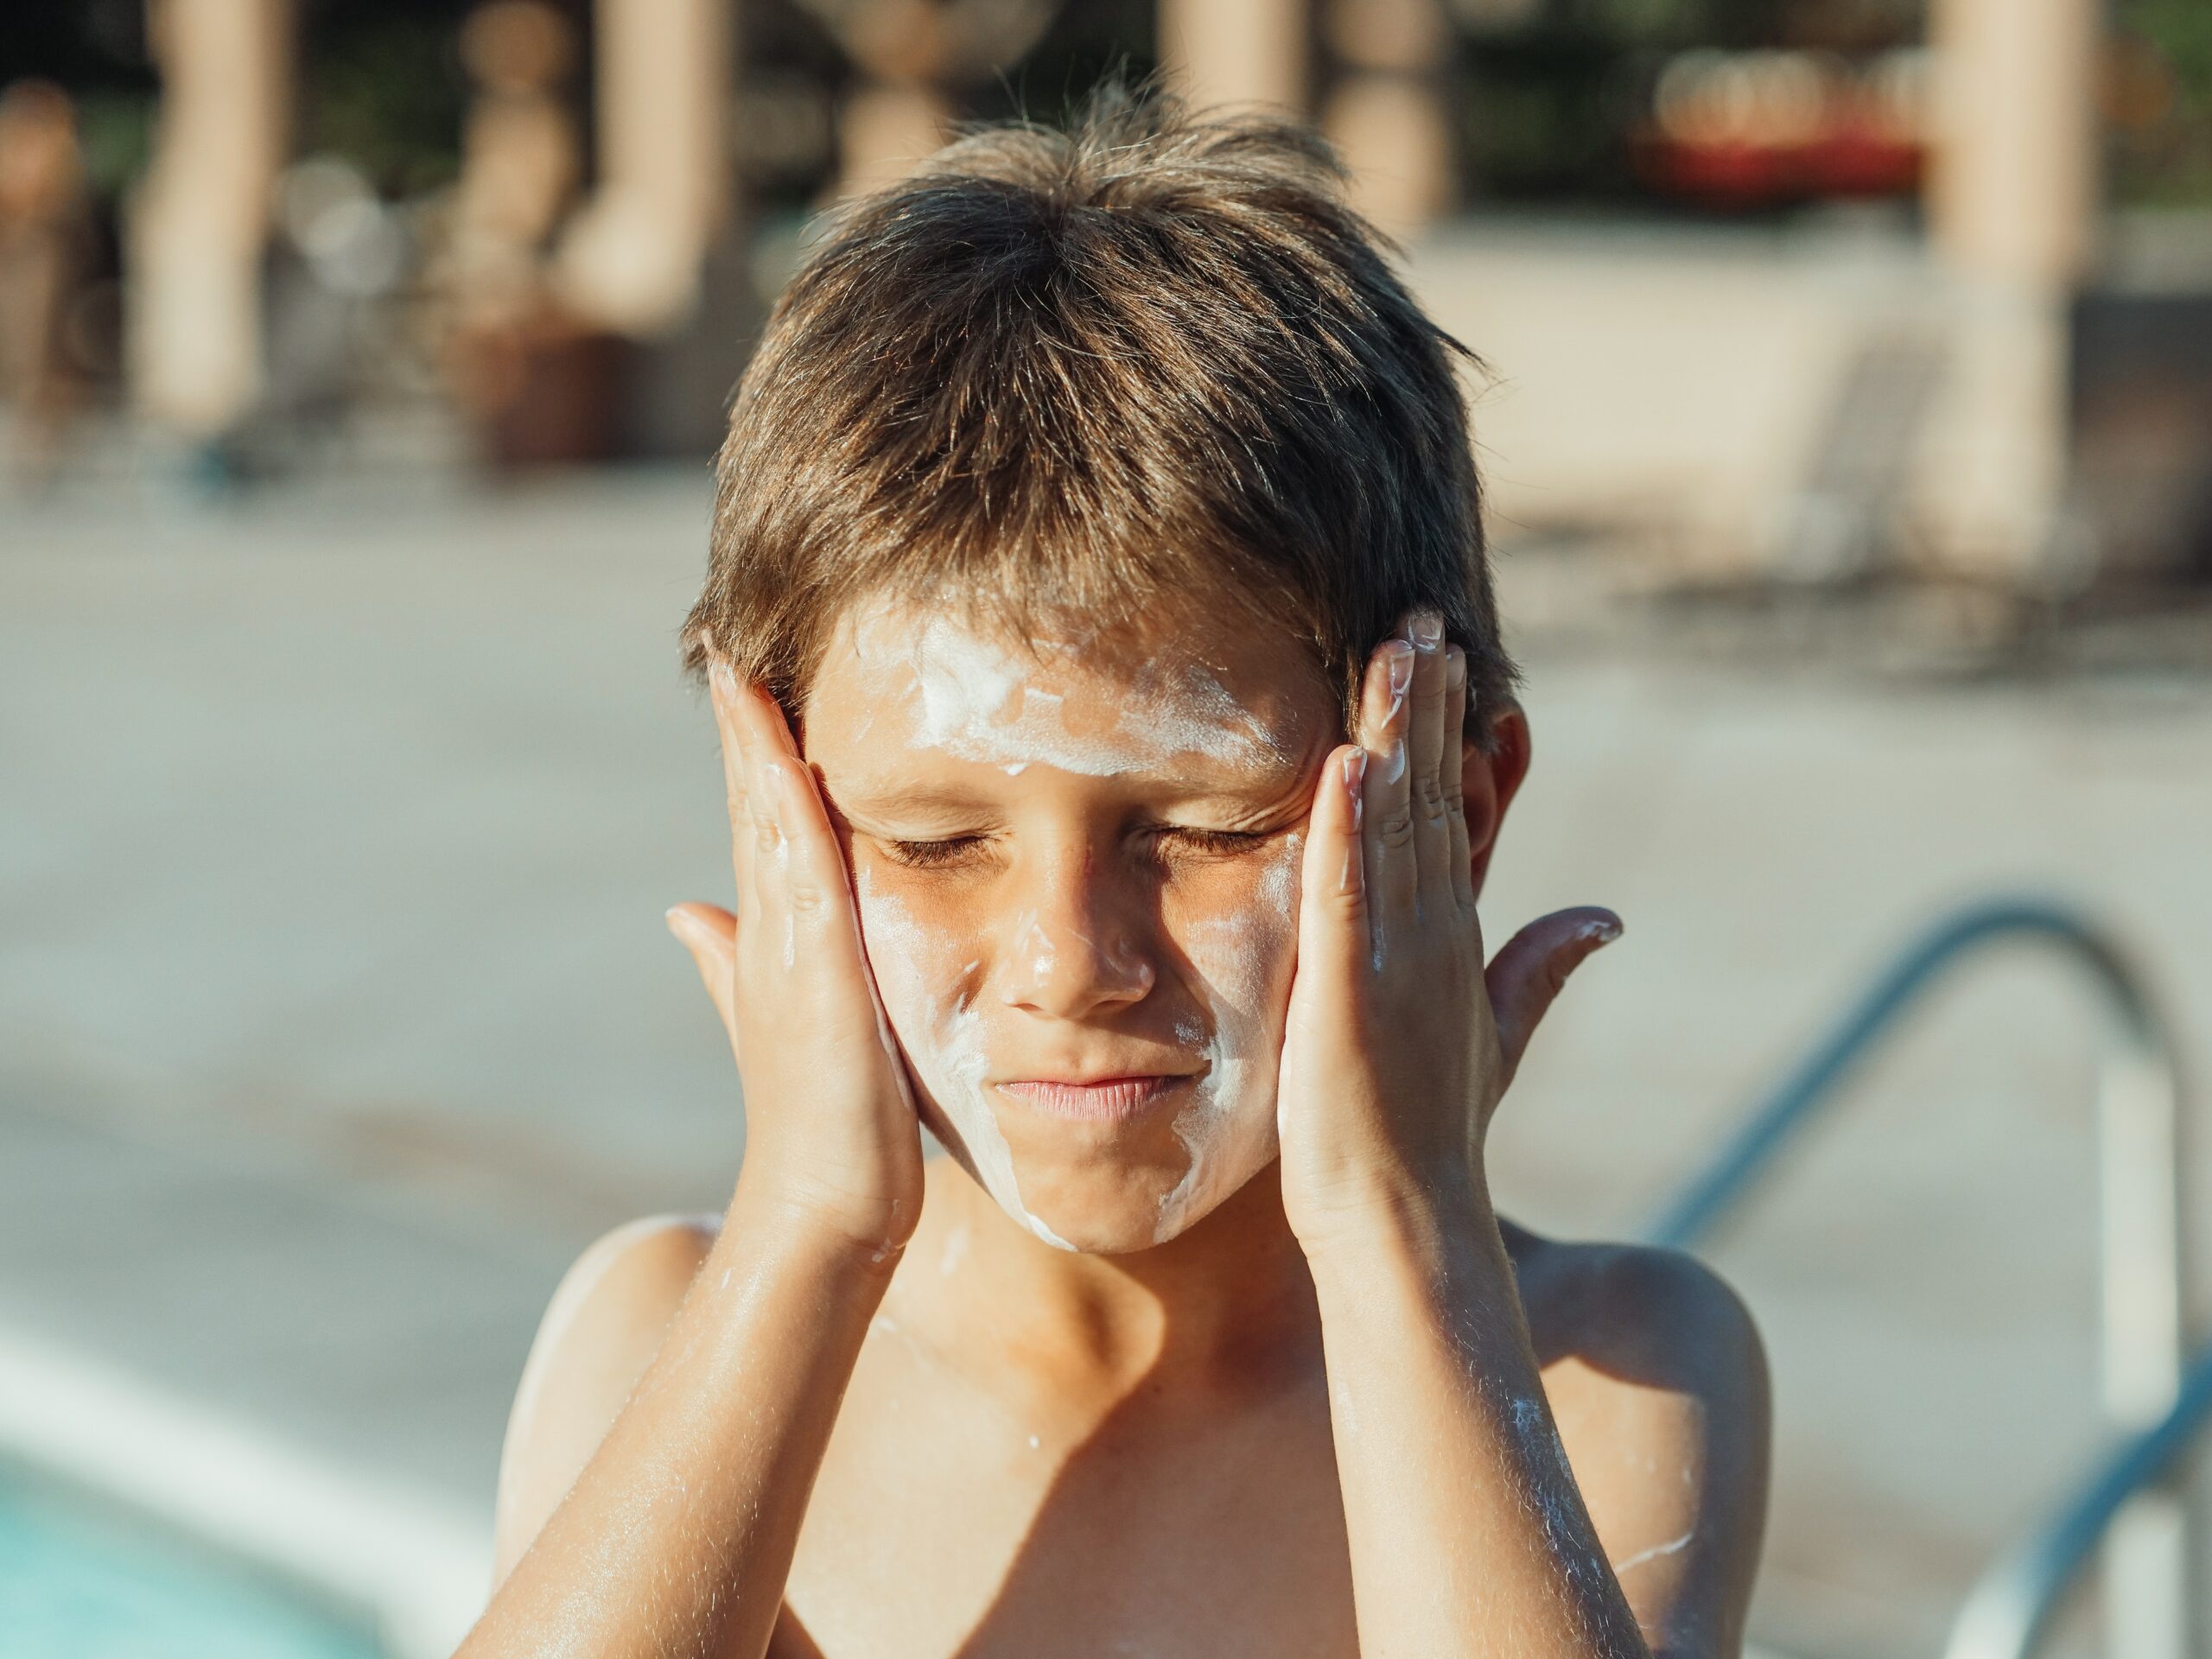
(929,854)
(1171,839)
(1189,837)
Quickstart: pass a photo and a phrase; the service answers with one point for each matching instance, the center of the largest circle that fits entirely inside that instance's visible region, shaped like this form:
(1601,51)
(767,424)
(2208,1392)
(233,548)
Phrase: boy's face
(1077,873)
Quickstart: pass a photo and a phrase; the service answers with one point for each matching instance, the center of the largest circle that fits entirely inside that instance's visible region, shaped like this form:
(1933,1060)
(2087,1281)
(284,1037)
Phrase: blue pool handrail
(2010,1608)
(2142,1294)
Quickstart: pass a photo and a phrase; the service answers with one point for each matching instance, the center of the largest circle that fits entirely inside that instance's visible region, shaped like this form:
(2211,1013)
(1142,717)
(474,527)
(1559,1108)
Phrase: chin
(1115,1195)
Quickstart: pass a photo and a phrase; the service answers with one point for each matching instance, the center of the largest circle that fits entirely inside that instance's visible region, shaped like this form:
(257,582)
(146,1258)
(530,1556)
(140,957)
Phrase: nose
(1068,954)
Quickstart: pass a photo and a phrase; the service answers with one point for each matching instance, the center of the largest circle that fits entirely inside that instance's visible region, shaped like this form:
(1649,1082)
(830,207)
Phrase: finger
(1387,821)
(710,933)
(723,692)
(1453,777)
(807,890)
(1425,749)
(1527,973)
(1333,941)
(763,739)
(810,861)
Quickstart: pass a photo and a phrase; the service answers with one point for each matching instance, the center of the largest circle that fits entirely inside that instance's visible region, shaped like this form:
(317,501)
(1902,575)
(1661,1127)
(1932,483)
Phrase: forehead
(1193,696)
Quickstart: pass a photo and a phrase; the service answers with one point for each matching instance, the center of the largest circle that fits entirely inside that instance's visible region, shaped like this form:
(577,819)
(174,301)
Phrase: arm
(1455,1478)
(1658,1380)
(600,1331)
(1469,1533)
(678,1535)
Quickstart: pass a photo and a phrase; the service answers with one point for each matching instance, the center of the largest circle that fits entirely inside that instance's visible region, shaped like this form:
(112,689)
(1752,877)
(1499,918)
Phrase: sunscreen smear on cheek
(1229,1128)
(928,994)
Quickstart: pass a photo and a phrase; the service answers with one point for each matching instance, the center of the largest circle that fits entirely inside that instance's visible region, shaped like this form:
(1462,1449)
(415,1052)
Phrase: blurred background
(1848,418)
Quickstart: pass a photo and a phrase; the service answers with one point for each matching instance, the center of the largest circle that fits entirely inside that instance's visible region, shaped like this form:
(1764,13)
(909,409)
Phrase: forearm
(676,1538)
(1468,1534)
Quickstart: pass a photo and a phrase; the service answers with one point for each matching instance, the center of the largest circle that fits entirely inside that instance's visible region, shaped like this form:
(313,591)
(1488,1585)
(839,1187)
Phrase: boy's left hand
(1399,1045)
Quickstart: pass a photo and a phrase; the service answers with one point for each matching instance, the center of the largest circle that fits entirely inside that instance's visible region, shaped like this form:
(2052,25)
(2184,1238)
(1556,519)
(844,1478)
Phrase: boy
(1065,505)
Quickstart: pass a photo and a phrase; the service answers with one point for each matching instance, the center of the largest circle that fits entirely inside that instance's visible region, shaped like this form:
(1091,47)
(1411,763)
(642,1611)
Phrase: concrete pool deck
(337,1014)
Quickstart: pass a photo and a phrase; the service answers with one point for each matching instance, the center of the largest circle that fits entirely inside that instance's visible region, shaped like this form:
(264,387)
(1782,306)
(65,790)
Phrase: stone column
(200,219)
(916,59)
(632,259)
(1236,51)
(2012,179)
(2012,202)
(1387,115)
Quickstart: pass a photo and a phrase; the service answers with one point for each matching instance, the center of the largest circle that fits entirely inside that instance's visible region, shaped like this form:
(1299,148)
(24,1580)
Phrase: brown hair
(1145,362)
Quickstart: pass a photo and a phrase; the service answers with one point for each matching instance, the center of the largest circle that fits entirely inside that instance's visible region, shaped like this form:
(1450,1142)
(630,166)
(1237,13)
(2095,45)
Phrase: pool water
(78,1582)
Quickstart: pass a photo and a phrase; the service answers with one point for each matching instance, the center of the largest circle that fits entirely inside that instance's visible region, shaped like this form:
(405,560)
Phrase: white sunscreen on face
(976,699)
(1230,1127)
(929,997)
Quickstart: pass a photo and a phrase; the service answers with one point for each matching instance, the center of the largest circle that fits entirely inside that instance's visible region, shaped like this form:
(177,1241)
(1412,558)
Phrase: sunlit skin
(871,1410)
(1097,928)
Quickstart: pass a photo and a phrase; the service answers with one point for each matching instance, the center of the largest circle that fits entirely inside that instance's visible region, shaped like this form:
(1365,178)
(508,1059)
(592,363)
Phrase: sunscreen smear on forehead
(978,699)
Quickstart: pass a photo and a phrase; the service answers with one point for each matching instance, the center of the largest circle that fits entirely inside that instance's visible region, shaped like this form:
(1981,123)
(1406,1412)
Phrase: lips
(1104,1101)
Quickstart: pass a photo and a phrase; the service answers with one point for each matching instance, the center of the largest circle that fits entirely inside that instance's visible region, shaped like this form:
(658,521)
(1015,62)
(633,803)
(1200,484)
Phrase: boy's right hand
(832,1139)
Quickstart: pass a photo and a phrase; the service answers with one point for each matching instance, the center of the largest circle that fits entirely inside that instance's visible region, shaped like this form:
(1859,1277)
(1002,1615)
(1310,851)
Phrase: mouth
(1106,1100)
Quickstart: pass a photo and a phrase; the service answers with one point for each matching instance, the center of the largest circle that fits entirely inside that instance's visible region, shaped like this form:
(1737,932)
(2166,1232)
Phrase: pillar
(2011,206)
(914,59)
(898,112)
(200,219)
(1387,115)
(632,259)
(2012,179)
(1236,52)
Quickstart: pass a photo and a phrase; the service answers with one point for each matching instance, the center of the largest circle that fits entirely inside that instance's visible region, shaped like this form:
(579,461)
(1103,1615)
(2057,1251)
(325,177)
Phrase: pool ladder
(2156,1396)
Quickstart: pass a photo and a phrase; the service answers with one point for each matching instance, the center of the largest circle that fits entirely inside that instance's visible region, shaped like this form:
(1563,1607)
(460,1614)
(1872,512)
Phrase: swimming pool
(81,1581)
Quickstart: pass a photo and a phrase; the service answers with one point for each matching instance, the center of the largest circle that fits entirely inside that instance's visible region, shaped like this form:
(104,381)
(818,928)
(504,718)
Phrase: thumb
(710,933)
(1528,972)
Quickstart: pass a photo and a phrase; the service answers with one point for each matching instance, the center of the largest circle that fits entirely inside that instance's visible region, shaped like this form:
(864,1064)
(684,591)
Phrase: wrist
(1426,1225)
(790,1232)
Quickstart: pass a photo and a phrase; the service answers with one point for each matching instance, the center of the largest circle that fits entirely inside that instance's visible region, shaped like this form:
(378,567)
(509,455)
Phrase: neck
(1227,1304)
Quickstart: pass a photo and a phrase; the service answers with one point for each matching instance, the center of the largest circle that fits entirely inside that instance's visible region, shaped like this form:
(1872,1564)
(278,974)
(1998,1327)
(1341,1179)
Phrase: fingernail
(1396,758)
(1399,664)
(679,921)
(1426,630)
(723,679)
(1455,668)
(1355,775)
(1604,929)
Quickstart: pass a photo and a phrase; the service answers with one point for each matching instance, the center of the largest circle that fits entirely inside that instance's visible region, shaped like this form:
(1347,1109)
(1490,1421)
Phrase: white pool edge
(420,1563)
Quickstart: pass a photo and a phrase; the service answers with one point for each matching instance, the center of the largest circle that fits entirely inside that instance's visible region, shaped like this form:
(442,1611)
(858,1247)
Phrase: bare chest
(944,1525)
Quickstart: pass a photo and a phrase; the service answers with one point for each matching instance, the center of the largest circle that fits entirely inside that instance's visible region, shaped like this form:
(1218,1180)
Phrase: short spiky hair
(1146,361)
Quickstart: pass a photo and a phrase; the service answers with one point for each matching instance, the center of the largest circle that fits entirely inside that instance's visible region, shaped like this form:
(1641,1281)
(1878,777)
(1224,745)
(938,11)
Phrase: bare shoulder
(599,1334)
(1658,1381)
(1633,1304)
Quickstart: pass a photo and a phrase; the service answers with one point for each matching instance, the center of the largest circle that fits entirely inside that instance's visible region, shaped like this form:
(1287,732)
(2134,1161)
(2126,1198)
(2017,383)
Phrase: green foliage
(115,130)
(386,94)
(2170,165)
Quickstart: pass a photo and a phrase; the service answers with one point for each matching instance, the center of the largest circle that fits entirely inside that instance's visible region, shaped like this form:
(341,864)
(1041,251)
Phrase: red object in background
(1849,163)
(1757,129)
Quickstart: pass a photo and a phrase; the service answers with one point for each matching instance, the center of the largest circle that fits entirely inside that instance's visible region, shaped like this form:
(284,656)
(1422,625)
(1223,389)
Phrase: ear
(1489,783)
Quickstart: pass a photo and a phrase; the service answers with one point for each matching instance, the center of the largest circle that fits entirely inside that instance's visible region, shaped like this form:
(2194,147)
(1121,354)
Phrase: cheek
(1242,955)
(1241,940)
(923,967)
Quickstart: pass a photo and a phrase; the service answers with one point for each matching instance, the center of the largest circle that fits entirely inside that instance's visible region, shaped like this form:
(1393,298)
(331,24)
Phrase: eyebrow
(921,801)
(1259,795)
(1195,777)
